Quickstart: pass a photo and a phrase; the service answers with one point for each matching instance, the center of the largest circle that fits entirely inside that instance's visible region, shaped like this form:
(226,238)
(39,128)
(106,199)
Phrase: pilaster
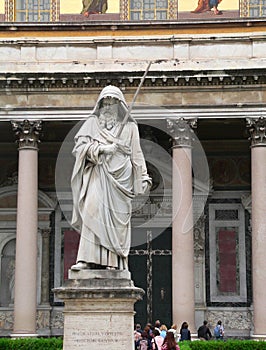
(45,233)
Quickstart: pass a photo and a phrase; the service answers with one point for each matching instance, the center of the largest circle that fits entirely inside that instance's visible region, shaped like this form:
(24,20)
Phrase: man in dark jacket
(204,332)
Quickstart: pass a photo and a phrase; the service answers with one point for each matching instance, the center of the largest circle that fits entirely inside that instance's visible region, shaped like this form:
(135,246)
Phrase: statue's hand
(108,149)
(146,187)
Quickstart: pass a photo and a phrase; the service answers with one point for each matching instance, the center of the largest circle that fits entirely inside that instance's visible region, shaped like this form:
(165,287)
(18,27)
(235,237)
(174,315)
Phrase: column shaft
(26,244)
(182,241)
(257,128)
(25,301)
(258,155)
(182,224)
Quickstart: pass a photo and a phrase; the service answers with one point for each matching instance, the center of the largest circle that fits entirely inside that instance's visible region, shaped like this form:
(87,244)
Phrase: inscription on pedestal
(99,310)
(97,331)
(96,338)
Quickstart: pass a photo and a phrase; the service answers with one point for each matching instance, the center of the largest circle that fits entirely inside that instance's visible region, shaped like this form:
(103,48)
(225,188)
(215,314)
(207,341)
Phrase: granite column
(182,223)
(257,128)
(25,301)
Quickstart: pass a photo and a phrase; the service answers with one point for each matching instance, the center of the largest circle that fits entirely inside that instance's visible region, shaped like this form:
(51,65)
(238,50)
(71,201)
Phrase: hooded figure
(109,171)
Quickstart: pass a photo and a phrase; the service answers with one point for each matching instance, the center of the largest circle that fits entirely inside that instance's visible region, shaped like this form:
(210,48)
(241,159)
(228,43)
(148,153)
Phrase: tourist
(163,330)
(174,330)
(219,331)
(169,342)
(137,334)
(144,343)
(204,332)
(157,340)
(184,332)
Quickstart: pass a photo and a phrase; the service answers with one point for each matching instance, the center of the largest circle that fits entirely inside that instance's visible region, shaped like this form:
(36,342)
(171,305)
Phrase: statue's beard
(107,120)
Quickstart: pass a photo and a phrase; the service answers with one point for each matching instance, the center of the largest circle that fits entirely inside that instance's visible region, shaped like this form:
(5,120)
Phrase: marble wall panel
(69,52)
(136,52)
(220,50)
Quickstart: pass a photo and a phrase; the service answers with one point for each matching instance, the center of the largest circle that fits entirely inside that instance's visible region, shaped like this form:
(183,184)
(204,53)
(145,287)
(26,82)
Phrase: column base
(258,337)
(99,309)
(194,336)
(23,335)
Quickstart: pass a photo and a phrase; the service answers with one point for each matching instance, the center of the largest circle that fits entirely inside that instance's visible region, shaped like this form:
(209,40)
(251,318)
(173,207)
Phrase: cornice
(150,26)
(52,82)
(145,113)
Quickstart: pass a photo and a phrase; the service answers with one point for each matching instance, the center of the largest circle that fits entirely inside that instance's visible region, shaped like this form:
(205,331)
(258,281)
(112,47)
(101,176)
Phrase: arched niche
(8,212)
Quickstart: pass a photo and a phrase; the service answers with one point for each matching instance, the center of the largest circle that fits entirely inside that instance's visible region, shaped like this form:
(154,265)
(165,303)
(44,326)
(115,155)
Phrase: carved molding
(257,129)
(181,130)
(97,80)
(27,133)
(232,319)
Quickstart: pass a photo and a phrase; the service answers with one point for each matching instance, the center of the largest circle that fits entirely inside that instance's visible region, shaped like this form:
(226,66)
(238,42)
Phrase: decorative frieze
(257,129)
(6,320)
(96,80)
(45,320)
(181,130)
(27,133)
(232,319)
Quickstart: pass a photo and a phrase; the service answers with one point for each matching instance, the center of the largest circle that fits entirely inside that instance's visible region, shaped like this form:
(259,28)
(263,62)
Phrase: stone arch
(8,198)
(8,210)
(7,273)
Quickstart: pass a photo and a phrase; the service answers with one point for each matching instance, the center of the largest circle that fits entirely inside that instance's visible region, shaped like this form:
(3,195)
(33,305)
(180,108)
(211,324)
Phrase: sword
(133,101)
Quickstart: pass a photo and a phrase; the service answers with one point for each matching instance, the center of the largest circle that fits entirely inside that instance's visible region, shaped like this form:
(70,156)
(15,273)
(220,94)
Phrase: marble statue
(109,171)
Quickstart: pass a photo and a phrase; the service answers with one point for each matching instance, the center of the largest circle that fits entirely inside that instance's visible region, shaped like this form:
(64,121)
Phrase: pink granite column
(257,128)
(25,301)
(182,225)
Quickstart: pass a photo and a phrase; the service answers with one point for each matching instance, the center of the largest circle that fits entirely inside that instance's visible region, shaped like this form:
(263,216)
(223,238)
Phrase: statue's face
(109,106)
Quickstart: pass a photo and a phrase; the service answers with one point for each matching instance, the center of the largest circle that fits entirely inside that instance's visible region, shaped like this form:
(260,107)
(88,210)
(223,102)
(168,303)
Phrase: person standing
(174,330)
(157,325)
(219,331)
(137,334)
(109,172)
(144,343)
(184,332)
(157,340)
(163,330)
(169,342)
(204,332)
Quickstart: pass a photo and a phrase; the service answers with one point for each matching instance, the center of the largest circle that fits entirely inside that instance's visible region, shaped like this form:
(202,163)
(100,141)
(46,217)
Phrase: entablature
(165,79)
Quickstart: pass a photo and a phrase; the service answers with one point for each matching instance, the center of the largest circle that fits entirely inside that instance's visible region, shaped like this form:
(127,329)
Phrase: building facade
(198,238)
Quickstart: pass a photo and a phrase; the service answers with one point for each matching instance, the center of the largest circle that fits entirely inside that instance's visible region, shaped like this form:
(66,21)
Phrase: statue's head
(111,100)
(112,91)
(108,105)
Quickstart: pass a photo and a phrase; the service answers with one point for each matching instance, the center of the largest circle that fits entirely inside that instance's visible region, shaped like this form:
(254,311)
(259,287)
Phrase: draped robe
(103,187)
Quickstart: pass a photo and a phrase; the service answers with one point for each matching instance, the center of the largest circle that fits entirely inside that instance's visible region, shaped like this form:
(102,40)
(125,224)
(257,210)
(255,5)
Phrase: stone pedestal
(99,309)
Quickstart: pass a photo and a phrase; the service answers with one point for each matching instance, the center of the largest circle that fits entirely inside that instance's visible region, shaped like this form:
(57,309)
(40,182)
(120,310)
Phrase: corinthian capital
(257,129)
(27,133)
(182,132)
